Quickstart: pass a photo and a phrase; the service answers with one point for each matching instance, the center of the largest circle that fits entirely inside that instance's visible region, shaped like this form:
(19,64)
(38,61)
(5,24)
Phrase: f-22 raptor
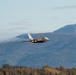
(39,40)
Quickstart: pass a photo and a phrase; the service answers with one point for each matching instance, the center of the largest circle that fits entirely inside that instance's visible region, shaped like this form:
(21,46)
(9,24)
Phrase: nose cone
(46,38)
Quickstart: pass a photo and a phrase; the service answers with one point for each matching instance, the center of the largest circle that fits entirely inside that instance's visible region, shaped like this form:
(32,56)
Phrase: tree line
(7,69)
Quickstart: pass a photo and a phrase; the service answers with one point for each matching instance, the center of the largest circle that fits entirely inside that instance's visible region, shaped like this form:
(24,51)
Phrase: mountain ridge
(59,51)
(67,29)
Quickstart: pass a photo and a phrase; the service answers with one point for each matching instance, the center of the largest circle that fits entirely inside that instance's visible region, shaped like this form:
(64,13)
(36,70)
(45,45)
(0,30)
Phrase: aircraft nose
(47,38)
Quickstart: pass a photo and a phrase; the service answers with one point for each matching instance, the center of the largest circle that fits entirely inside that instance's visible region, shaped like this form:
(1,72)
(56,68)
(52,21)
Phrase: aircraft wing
(40,37)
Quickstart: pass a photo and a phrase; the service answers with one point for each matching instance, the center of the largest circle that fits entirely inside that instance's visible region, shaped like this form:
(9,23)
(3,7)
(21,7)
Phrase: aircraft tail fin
(40,37)
(30,37)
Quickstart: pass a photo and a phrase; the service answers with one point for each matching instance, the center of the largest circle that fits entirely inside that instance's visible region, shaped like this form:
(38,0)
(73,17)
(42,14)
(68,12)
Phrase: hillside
(59,51)
(67,29)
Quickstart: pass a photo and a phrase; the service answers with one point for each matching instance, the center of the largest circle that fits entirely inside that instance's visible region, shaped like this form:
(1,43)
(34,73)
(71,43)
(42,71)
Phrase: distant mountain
(67,29)
(59,51)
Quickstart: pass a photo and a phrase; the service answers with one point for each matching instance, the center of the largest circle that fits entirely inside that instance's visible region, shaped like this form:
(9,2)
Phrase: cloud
(20,25)
(14,29)
(66,7)
(60,8)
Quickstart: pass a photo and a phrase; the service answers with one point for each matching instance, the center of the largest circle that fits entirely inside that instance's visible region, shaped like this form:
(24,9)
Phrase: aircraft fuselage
(37,41)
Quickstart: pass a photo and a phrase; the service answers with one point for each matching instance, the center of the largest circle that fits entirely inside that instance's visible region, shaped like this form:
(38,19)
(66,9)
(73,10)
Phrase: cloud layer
(66,7)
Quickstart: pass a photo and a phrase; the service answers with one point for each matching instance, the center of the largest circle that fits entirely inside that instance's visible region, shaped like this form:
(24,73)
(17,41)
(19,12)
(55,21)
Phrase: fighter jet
(39,40)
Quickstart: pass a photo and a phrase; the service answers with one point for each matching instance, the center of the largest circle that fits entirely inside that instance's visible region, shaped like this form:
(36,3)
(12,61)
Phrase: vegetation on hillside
(7,69)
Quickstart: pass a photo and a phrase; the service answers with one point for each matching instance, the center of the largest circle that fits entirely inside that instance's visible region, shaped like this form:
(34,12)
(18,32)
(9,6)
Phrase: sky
(34,16)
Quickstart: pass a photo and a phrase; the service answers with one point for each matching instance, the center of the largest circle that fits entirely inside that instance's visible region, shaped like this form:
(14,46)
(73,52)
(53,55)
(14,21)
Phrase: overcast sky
(28,16)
